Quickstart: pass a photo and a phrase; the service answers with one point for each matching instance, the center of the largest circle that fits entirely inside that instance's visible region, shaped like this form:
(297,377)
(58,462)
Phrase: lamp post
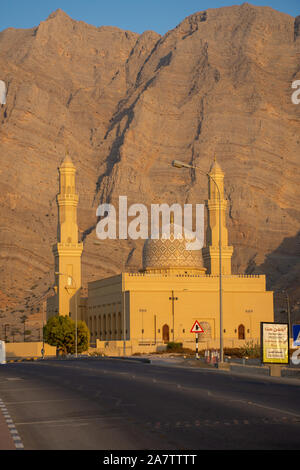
(44,301)
(23,320)
(173,314)
(73,283)
(43,347)
(179,164)
(124,322)
(5,334)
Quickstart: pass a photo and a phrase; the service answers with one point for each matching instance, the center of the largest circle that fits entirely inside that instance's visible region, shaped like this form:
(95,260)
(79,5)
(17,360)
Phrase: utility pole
(23,320)
(173,313)
(5,335)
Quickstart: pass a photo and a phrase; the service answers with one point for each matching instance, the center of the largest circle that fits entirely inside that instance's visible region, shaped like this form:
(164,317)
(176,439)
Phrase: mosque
(143,311)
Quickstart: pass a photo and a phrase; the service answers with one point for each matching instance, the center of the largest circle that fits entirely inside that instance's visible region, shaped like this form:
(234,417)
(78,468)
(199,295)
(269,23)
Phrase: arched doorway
(119,326)
(114,326)
(166,333)
(108,326)
(104,328)
(241,332)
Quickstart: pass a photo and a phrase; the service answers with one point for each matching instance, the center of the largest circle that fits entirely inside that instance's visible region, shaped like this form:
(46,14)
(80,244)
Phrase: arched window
(104,328)
(119,326)
(114,326)
(100,327)
(241,332)
(109,332)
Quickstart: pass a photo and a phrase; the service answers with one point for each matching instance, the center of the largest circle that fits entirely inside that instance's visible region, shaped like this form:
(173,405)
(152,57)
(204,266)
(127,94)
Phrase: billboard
(274,343)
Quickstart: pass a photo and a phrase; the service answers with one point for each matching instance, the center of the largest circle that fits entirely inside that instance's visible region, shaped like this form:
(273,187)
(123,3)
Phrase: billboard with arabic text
(274,343)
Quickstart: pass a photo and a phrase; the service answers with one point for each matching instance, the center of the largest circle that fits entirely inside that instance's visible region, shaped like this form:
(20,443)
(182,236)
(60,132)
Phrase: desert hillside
(126,105)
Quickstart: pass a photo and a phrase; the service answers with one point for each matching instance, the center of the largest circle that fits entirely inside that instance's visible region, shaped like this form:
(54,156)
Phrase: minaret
(211,252)
(68,250)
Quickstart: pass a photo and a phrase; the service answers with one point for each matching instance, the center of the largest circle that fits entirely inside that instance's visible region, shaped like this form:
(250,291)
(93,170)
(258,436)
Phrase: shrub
(251,349)
(174,347)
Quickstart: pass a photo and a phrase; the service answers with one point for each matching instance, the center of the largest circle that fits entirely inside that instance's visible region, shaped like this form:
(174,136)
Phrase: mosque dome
(169,254)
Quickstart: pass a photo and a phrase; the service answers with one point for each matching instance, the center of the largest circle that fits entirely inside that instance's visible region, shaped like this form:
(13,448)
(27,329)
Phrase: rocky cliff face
(125,105)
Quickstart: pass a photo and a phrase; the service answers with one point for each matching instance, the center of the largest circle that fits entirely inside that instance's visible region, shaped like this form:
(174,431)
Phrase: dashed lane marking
(29,402)
(11,427)
(70,420)
(234,422)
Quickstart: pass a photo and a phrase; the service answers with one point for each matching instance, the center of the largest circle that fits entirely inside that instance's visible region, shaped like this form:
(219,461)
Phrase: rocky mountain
(125,105)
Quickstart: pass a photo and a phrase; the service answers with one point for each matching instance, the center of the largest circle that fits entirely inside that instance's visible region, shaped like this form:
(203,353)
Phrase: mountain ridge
(125,105)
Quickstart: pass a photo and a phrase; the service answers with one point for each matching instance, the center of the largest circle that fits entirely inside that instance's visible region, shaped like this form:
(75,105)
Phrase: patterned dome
(171,254)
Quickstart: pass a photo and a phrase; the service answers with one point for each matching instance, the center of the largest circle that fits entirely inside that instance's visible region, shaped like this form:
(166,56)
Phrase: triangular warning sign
(197,328)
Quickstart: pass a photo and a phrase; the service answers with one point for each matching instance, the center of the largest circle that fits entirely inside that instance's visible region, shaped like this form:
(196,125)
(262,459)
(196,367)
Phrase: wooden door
(166,333)
(241,332)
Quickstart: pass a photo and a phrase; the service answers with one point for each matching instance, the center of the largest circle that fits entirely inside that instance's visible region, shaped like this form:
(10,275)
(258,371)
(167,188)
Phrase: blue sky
(133,15)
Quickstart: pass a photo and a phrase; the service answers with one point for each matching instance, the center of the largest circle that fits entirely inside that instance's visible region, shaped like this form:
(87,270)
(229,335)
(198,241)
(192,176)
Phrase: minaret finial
(67,161)
(215,167)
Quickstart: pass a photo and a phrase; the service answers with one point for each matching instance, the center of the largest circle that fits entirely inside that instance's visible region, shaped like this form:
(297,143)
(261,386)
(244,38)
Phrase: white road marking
(70,420)
(11,427)
(44,401)
(274,409)
(25,389)
(19,445)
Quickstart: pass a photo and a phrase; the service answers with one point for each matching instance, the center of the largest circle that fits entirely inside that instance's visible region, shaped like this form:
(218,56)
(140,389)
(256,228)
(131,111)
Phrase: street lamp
(23,320)
(44,300)
(179,164)
(5,334)
(173,312)
(71,282)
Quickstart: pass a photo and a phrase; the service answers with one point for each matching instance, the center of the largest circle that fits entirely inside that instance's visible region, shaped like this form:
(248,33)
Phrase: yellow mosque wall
(143,311)
(28,349)
(148,300)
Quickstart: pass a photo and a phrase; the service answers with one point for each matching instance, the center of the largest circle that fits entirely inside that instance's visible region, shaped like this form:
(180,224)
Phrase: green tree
(83,337)
(59,331)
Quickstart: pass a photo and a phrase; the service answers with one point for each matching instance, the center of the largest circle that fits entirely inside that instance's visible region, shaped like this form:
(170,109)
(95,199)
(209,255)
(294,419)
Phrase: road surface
(127,405)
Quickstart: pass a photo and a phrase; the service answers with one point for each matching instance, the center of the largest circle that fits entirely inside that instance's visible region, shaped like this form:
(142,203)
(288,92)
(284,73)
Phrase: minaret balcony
(65,198)
(68,249)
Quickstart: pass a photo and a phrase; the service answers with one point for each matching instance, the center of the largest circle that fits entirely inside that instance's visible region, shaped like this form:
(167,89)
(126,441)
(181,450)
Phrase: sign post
(197,328)
(274,343)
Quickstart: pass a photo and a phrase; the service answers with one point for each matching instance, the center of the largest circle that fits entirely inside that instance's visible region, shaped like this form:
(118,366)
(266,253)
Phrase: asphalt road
(114,404)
